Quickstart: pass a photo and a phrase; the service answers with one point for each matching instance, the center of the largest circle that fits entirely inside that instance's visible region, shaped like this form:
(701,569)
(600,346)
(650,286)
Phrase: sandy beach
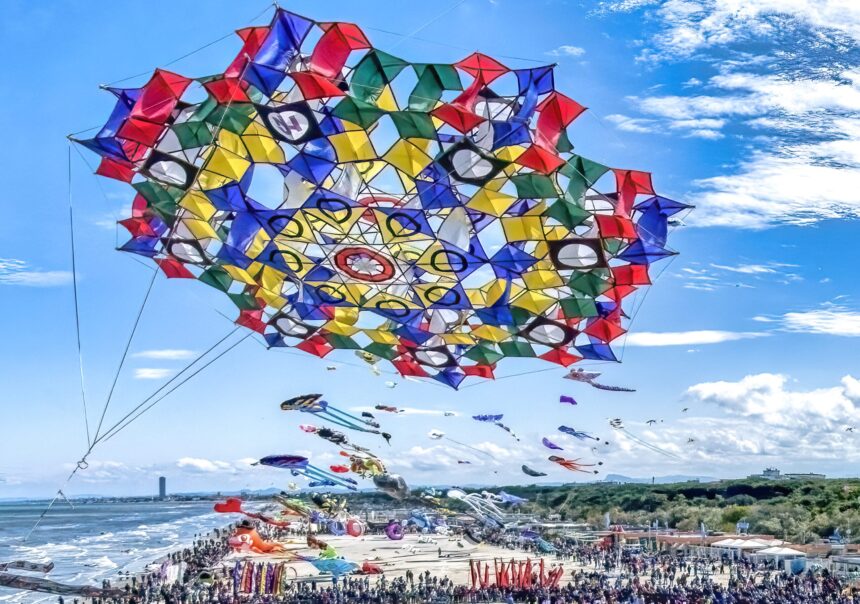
(397,557)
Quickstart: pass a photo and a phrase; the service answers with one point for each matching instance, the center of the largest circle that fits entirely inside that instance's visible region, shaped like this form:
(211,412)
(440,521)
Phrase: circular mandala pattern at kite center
(364,264)
(433,215)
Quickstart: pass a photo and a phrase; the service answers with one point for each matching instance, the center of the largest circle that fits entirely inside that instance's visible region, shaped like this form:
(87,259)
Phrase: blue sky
(750,114)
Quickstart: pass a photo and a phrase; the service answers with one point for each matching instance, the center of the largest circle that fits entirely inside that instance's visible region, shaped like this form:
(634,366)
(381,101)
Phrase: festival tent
(780,552)
(727,543)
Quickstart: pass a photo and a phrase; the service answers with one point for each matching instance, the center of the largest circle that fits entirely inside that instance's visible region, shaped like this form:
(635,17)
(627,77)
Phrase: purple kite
(550,445)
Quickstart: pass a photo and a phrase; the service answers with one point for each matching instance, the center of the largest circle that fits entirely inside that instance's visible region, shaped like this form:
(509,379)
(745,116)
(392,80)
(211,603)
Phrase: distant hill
(671,479)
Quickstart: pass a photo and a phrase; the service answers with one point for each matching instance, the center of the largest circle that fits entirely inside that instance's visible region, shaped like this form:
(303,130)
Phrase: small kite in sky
(577,433)
(588,377)
(495,419)
(550,445)
(530,472)
(313,403)
(301,466)
(574,464)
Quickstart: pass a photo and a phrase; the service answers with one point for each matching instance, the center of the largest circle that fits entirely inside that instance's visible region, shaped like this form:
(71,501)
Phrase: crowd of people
(596,575)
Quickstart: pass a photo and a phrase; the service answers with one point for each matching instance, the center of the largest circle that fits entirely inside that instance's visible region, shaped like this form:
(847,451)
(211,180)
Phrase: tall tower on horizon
(162,487)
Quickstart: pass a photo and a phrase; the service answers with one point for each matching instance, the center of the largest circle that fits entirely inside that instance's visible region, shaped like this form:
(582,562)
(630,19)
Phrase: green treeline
(797,511)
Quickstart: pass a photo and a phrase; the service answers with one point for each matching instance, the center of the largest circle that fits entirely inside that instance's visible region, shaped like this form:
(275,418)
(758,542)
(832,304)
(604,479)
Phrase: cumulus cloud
(688,338)
(18,272)
(167,354)
(760,420)
(765,397)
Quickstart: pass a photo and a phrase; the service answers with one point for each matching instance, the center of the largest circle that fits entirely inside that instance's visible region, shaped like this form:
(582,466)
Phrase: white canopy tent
(780,552)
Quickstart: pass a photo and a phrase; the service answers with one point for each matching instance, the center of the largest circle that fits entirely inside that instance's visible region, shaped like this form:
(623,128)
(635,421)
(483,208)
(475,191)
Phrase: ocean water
(96,541)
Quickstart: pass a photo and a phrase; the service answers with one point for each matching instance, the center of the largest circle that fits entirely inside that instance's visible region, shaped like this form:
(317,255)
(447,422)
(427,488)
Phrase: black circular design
(287,221)
(293,328)
(288,256)
(445,293)
(437,356)
(406,224)
(548,333)
(332,213)
(329,294)
(401,312)
(188,251)
(450,257)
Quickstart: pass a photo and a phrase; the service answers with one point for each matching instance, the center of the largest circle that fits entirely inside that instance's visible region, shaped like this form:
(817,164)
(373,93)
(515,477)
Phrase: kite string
(187,367)
(118,429)
(230,34)
(82,464)
(427,23)
(454,46)
(167,244)
(124,356)
(75,295)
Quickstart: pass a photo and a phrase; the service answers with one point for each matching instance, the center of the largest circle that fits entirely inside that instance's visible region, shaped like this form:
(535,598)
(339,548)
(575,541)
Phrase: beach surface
(397,557)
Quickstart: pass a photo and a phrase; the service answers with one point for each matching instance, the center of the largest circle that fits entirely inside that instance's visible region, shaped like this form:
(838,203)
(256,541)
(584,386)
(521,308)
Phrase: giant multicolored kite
(434,215)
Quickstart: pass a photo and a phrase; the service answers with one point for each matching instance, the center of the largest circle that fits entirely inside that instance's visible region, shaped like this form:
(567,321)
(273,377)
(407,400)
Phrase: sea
(98,540)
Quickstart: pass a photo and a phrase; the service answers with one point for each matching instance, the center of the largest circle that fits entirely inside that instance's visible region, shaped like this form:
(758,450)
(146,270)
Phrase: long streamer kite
(301,466)
(313,403)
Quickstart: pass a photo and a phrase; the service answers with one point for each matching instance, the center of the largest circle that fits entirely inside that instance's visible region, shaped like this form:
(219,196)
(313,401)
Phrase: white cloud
(709,123)
(688,338)
(716,276)
(706,134)
(624,6)
(753,269)
(761,93)
(691,25)
(166,354)
(151,373)
(566,50)
(831,320)
(207,466)
(799,185)
(18,272)
(805,166)
(764,397)
(632,124)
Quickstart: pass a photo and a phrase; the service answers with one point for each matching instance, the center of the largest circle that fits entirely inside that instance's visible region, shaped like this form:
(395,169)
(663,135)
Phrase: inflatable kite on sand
(432,215)
(246,539)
